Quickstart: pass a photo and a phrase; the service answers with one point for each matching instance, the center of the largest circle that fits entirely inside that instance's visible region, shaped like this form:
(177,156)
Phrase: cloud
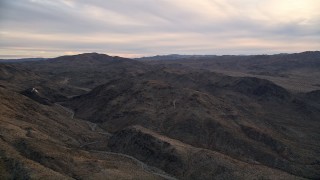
(143,27)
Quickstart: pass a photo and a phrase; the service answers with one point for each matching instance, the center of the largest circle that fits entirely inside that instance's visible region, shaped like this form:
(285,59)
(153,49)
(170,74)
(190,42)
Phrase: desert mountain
(92,116)
(86,70)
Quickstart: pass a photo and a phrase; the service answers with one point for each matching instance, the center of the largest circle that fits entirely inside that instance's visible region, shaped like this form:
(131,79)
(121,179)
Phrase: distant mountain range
(178,56)
(21,60)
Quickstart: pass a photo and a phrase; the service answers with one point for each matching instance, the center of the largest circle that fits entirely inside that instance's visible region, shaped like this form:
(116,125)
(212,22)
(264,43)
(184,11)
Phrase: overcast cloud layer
(131,28)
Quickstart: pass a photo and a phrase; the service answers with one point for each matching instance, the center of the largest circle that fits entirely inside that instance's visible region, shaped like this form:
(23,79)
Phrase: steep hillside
(250,119)
(42,142)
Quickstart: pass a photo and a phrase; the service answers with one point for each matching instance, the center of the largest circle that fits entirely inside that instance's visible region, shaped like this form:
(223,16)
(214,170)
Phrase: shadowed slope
(246,118)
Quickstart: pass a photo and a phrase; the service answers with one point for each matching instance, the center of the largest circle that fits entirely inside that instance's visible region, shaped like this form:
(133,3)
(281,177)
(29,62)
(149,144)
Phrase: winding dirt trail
(70,111)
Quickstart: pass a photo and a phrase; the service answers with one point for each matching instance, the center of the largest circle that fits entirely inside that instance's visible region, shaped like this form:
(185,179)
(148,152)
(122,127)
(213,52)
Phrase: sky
(136,28)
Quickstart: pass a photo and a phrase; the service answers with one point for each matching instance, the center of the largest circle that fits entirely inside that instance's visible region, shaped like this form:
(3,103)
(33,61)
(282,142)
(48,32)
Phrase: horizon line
(17,57)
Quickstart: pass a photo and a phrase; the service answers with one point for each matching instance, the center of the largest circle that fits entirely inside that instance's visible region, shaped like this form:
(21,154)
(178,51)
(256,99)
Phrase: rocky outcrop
(35,95)
(267,140)
(146,148)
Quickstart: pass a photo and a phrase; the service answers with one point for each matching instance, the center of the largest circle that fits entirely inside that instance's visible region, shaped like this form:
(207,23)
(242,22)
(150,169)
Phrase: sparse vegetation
(182,118)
